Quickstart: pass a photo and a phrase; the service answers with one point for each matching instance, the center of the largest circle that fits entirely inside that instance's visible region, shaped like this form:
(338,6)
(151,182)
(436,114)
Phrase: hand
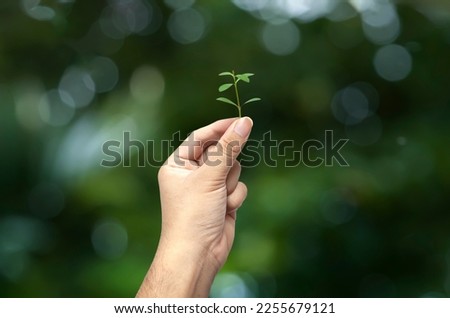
(200,193)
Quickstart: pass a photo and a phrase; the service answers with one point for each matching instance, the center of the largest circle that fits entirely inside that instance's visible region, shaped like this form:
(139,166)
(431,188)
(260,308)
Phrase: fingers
(237,197)
(230,228)
(233,177)
(227,149)
(192,148)
(232,214)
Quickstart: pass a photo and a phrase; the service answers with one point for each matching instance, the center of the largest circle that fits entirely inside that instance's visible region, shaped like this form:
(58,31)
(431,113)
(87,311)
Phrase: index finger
(194,145)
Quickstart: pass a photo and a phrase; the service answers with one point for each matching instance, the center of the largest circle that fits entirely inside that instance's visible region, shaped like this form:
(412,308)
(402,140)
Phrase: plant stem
(237,95)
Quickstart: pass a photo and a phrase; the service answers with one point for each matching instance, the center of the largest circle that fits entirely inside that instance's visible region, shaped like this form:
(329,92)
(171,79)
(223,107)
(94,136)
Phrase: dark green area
(71,228)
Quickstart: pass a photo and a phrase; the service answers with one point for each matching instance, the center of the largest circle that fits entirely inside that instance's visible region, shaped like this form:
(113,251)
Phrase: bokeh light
(355,103)
(303,10)
(342,11)
(381,23)
(393,62)
(104,73)
(76,88)
(147,85)
(77,74)
(26,93)
(179,4)
(186,26)
(230,285)
(281,39)
(122,18)
(109,239)
(20,237)
(54,108)
(34,9)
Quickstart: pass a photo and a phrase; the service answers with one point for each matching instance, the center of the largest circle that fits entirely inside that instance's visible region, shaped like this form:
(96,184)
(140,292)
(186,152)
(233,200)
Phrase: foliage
(236,78)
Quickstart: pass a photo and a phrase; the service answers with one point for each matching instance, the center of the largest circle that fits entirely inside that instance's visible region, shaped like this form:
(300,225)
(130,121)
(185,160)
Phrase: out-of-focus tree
(77,74)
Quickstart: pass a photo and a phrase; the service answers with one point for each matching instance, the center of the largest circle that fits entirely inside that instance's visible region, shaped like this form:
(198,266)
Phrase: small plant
(236,79)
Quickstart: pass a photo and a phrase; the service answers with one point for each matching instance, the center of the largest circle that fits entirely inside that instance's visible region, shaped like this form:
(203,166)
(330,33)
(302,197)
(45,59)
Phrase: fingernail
(243,126)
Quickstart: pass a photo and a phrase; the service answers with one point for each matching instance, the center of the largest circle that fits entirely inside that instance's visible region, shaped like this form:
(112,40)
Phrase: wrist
(179,270)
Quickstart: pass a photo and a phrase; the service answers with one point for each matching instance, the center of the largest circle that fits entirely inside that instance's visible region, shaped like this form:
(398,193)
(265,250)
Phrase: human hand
(200,193)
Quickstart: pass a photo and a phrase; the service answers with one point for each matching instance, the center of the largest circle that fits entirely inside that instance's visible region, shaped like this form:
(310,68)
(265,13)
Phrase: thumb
(221,157)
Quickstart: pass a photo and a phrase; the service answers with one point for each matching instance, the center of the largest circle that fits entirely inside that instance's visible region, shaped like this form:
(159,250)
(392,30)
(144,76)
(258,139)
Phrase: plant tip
(235,79)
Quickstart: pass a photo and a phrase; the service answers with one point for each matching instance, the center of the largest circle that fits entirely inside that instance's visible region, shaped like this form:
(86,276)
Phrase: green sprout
(236,79)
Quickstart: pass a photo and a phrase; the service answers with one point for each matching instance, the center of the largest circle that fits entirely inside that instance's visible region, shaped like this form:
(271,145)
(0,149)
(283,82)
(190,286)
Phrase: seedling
(236,79)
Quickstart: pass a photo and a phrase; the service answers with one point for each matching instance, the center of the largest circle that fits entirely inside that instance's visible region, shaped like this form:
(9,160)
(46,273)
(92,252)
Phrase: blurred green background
(74,74)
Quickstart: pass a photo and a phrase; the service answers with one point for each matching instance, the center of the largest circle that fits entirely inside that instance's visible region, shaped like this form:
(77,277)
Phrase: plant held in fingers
(245,77)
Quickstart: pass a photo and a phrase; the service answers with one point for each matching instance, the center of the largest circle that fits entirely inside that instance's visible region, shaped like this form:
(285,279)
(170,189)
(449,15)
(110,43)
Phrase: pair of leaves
(226,100)
(240,77)
(236,78)
(224,87)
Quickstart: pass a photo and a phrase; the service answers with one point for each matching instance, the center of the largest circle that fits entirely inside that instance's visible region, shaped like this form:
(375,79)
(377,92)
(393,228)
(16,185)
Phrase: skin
(200,194)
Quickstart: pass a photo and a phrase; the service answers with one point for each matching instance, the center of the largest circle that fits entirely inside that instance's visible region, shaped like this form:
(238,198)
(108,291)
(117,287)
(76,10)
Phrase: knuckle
(244,190)
(237,198)
(162,173)
(231,147)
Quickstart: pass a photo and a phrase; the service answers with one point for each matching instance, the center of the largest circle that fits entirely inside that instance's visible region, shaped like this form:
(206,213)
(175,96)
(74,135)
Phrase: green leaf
(226,73)
(256,99)
(226,100)
(243,77)
(224,87)
(248,74)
